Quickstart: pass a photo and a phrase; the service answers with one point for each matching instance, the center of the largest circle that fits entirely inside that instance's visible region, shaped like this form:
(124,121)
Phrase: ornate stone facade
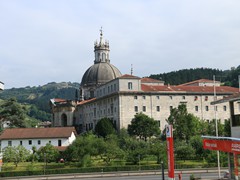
(121,97)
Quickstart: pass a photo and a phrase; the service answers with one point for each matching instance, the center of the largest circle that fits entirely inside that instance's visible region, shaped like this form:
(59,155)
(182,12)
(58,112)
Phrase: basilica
(105,92)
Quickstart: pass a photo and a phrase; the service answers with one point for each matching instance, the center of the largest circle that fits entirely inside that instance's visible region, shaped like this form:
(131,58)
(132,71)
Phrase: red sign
(170,151)
(222,145)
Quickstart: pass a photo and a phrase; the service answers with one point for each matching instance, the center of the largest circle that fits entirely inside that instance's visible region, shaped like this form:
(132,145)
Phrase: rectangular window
(39,142)
(9,143)
(59,142)
(195,98)
(158,108)
(170,107)
(144,97)
(135,97)
(30,142)
(158,97)
(225,108)
(129,85)
(216,108)
(170,97)
(20,143)
(183,97)
(206,98)
(196,108)
(94,112)
(49,142)
(111,108)
(206,108)
(136,108)
(144,108)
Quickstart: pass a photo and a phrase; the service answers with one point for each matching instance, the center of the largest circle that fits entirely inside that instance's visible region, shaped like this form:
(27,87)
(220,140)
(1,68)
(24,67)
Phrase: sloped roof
(150,80)
(197,89)
(234,97)
(36,133)
(199,81)
(128,76)
(86,101)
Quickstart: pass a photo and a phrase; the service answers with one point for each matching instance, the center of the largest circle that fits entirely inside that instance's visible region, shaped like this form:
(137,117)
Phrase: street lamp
(45,163)
(162,170)
(216,124)
(139,167)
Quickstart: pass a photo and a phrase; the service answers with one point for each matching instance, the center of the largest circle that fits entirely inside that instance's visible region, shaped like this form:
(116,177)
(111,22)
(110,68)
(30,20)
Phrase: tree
(104,127)
(13,112)
(143,126)
(48,153)
(111,149)
(86,145)
(184,124)
(183,150)
(158,148)
(136,150)
(197,144)
(15,154)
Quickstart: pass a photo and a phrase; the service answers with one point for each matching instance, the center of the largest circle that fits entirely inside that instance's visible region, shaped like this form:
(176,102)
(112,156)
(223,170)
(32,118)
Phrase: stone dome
(100,73)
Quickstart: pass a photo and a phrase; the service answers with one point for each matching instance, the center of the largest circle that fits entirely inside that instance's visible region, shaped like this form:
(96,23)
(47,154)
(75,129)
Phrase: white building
(107,93)
(60,137)
(1,86)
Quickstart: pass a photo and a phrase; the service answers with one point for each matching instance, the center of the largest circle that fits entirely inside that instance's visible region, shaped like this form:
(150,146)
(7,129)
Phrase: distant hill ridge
(40,96)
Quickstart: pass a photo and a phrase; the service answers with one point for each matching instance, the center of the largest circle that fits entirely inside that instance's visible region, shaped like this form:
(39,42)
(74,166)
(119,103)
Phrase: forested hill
(227,77)
(40,96)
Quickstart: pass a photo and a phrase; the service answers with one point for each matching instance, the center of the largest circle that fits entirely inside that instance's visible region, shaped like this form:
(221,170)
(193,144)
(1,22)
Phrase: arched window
(98,57)
(64,120)
(130,85)
(103,57)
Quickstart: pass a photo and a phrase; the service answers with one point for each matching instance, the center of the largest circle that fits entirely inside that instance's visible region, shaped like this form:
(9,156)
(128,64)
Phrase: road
(155,177)
(203,174)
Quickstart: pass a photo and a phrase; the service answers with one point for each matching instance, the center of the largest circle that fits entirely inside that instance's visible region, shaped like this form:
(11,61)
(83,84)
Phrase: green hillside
(38,97)
(227,77)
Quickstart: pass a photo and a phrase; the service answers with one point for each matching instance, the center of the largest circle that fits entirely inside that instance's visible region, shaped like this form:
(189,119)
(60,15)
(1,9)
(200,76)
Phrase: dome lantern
(101,50)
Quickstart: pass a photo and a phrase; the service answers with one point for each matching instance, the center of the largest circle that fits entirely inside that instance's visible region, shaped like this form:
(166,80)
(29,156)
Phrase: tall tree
(13,112)
(185,124)
(158,148)
(111,149)
(143,126)
(104,127)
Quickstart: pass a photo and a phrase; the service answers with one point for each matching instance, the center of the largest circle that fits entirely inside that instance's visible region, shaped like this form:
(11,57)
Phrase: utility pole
(216,124)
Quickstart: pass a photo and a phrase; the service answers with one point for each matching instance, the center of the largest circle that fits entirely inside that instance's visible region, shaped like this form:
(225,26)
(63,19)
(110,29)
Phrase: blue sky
(45,41)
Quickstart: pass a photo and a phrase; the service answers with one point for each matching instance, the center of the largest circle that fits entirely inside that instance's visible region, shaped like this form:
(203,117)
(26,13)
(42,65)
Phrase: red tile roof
(150,80)
(86,101)
(59,100)
(128,76)
(61,148)
(232,98)
(36,133)
(205,89)
(198,81)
